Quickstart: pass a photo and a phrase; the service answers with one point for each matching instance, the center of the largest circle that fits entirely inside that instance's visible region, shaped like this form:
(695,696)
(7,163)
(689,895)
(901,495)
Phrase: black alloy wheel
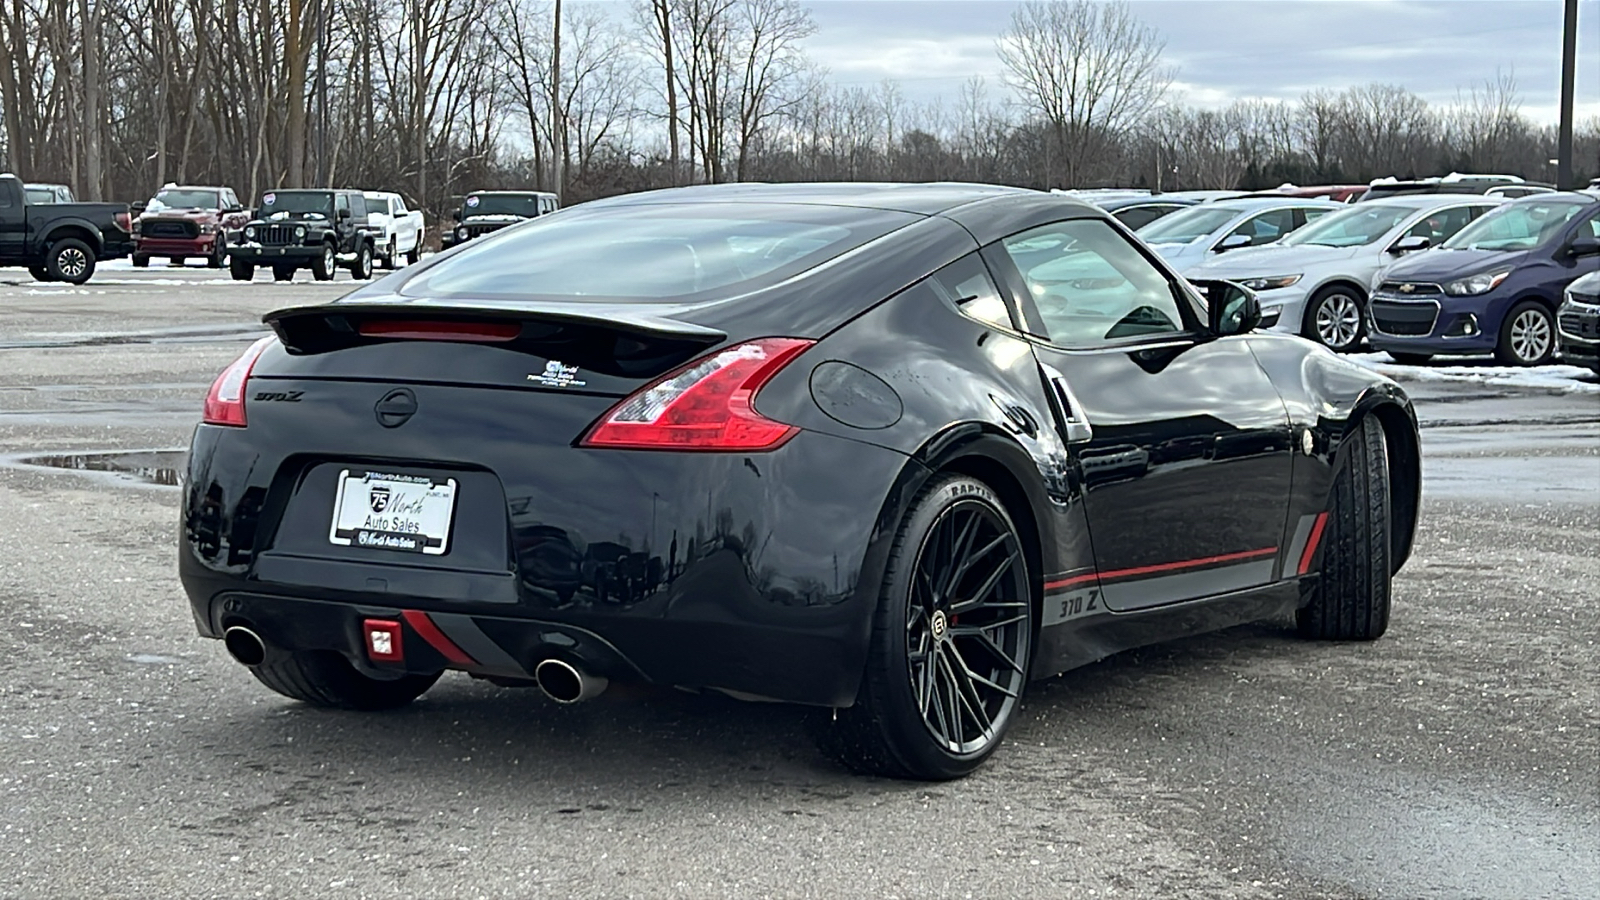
(951,645)
(322,267)
(70,260)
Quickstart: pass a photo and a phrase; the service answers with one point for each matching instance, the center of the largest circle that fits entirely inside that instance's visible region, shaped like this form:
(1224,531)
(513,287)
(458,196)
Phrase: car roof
(1257,204)
(1431,201)
(1116,203)
(925,199)
(509,193)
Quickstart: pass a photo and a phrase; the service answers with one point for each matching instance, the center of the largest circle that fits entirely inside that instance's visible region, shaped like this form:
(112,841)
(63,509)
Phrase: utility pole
(558,123)
(1569,64)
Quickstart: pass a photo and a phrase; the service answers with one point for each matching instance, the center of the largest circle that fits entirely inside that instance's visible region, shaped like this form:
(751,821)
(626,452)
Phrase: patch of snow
(1568,379)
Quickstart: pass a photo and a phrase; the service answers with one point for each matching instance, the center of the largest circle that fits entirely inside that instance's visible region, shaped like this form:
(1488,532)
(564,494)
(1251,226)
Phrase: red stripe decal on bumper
(422,625)
(1311,544)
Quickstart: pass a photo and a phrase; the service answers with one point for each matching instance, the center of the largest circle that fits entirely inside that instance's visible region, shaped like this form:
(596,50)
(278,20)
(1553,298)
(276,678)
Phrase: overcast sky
(1231,49)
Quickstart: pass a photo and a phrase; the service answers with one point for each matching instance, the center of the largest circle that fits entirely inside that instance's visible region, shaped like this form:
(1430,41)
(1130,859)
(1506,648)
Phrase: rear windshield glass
(1186,226)
(652,252)
(1353,227)
(524,205)
(1517,226)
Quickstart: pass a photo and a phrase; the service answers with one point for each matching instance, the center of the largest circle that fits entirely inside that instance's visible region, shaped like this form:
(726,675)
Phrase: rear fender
(72,227)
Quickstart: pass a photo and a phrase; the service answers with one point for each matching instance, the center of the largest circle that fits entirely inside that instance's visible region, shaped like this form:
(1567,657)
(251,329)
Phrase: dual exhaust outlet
(560,680)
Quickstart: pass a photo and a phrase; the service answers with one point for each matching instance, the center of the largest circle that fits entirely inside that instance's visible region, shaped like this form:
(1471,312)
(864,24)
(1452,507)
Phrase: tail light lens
(705,405)
(125,222)
(225,400)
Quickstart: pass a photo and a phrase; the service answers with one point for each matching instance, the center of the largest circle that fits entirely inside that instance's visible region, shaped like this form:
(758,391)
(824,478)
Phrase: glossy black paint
(758,573)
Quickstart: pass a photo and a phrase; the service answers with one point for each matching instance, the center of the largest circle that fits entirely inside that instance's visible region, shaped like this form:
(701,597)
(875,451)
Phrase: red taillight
(225,400)
(124,221)
(706,405)
(423,330)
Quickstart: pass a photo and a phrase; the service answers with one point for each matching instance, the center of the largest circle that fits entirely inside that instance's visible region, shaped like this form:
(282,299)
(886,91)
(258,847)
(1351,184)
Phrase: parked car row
(1501,252)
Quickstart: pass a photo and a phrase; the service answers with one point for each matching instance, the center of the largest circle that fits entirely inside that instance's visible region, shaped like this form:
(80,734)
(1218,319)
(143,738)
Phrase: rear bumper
(757,575)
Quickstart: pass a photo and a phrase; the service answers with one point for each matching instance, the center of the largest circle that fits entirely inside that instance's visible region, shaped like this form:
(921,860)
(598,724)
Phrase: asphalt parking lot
(1459,757)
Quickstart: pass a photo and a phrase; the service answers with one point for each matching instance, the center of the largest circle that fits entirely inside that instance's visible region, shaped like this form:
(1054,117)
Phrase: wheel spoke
(969,698)
(974,676)
(987,586)
(987,642)
(958,549)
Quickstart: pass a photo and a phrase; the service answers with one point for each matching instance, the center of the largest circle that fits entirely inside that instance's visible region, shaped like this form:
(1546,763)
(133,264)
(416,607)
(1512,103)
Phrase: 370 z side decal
(1144,586)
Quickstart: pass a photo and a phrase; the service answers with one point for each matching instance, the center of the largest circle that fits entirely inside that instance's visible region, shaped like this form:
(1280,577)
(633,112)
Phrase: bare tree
(1090,70)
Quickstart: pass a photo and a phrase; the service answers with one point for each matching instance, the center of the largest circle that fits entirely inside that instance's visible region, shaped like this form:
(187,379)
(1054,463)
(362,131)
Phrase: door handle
(1075,428)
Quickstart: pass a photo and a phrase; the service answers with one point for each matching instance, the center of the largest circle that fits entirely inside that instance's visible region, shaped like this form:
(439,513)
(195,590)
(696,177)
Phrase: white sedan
(1314,282)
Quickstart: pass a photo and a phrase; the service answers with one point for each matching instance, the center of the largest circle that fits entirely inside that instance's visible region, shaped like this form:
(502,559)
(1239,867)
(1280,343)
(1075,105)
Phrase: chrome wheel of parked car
(1336,319)
(1528,337)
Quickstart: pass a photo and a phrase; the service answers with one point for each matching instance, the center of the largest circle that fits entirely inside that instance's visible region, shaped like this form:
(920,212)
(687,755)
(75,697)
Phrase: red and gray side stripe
(1160,583)
(460,641)
(1303,548)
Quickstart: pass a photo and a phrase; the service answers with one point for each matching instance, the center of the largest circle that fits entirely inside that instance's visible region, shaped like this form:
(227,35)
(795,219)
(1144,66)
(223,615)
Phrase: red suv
(180,222)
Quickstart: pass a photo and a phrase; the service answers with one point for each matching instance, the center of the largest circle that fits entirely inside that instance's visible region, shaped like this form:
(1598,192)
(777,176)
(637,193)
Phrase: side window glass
(358,206)
(341,201)
(966,284)
(1440,224)
(1091,286)
(1267,227)
(1314,214)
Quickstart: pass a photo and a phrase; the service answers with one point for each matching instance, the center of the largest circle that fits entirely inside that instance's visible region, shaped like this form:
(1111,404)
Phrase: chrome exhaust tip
(245,646)
(563,682)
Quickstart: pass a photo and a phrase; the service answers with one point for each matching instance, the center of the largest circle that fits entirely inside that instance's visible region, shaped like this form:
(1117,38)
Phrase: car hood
(1280,259)
(169,212)
(1448,265)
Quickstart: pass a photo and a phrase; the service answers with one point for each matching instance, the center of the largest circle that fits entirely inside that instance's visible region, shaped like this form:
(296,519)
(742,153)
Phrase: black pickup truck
(60,241)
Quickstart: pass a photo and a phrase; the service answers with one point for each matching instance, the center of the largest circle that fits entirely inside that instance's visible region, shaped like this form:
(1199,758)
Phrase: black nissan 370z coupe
(889,450)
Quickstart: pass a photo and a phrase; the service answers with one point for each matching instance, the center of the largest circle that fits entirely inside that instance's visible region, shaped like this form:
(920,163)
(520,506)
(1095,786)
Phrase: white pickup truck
(396,231)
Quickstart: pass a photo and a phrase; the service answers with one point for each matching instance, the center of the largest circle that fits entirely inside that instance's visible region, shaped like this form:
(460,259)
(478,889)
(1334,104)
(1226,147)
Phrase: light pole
(1569,63)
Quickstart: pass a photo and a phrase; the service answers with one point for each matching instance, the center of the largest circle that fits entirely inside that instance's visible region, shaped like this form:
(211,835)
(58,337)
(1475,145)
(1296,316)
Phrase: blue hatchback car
(1491,288)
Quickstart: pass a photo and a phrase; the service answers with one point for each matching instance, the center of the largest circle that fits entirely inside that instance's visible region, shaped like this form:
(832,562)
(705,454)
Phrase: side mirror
(455,215)
(1411,244)
(1232,242)
(236,208)
(344,213)
(1231,307)
(1583,246)
(138,206)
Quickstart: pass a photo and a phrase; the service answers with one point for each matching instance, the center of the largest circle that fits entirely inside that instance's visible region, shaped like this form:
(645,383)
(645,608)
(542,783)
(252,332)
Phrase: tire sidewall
(362,267)
(889,678)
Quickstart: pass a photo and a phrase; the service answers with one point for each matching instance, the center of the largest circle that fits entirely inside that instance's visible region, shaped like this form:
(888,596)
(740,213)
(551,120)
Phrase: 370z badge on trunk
(391,511)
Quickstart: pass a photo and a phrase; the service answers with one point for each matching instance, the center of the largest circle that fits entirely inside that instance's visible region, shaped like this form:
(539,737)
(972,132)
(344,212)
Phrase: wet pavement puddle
(160,468)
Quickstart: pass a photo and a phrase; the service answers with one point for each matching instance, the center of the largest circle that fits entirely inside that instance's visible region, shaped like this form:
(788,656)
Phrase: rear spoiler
(331,326)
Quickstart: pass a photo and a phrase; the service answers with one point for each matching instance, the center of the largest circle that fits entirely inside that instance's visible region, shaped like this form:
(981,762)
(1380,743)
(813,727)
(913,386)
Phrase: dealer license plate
(393,511)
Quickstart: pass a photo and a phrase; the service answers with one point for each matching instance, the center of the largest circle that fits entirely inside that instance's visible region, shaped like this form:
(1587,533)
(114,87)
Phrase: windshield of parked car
(179,198)
(1186,225)
(1353,227)
(299,203)
(651,252)
(1517,226)
(524,205)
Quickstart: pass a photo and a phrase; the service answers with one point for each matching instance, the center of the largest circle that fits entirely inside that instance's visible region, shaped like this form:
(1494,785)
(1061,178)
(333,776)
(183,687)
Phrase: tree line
(437,97)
